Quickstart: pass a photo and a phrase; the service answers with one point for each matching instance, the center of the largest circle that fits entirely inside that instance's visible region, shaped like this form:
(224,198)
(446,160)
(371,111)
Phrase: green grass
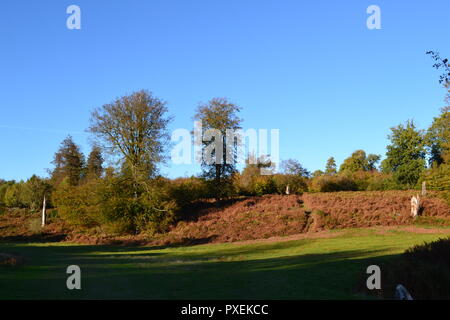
(328,268)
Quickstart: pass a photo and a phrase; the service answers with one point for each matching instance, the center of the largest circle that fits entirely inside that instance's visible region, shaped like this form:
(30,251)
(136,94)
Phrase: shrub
(79,205)
(264,185)
(296,183)
(188,190)
(123,211)
(424,270)
(331,183)
(437,178)
(35,226)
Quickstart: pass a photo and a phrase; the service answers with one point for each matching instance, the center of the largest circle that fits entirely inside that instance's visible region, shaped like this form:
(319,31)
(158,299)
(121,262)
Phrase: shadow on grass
(130,273)
(37,238)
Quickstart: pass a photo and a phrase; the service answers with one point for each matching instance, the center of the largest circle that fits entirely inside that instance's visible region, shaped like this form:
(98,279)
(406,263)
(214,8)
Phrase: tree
(438,138)
(220,154)
(372,160)
(34,191)
(438,135)
(293,167)
(405,156)
(4,185)
(330,168)
(359,161)
(14,195)
(317,174)
(441,63)
(134,129)
(68,162)
(94,167)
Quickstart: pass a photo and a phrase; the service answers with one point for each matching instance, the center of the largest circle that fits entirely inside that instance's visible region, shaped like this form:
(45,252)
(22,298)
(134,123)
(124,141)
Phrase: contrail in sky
(41,129)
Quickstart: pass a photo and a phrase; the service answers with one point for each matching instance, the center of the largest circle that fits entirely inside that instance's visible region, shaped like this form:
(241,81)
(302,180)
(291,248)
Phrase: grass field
(331,267)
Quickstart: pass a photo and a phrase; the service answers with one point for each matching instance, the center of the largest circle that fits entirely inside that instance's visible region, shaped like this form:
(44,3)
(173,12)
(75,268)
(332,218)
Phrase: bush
(35,226)
(185,191)
(264,185)
(424,270)
(331,183)
(437,178)
(296,183)
(151,210)
(79,205)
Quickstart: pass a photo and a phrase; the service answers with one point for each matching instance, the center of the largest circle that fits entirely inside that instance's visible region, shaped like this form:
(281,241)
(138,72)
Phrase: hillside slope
(282,215)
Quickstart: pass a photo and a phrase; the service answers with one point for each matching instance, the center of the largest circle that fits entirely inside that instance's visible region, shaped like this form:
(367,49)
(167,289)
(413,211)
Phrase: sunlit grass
(321,268)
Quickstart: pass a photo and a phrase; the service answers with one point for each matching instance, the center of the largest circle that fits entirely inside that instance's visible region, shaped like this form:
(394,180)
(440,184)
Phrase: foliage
(14,196)
(405,156)
(438,138)
(359,161)
(438,177)
(79,205)
(134,129)
(94,165)
(185,191)
(297,184)
(327,183)
(317,174)
(68,162)
(293,167)
(220,153)
(330,167)
(34,191)
(124,212)
(4,185)
(423,270)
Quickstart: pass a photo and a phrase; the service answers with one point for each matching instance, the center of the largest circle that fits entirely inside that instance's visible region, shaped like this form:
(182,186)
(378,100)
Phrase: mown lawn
(327,268)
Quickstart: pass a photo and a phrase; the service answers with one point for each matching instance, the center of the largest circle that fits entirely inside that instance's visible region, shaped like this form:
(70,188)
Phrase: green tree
(405,156)
(68,162)
(133,129)
(219,157)
(372,160)
(34,191)
(331,168)
(4,185)
(359,161)
(94,166)
(317,174)
(438,138)
(14,196)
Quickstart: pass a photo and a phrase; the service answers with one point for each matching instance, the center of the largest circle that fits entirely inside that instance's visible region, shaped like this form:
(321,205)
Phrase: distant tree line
(128,195)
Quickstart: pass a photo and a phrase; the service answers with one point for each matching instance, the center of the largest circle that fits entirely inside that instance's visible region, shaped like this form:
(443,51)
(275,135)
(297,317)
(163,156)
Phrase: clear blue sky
(310,68)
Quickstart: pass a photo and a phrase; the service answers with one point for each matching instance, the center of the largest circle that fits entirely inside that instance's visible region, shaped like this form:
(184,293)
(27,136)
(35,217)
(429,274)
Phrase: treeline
(123,199)
(130,196)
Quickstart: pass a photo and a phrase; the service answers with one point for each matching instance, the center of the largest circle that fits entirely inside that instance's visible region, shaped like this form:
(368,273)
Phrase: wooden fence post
(424,188)
(415,206)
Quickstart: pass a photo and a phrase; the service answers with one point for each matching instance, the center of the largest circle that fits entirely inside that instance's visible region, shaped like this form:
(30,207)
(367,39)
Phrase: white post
(43,214)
